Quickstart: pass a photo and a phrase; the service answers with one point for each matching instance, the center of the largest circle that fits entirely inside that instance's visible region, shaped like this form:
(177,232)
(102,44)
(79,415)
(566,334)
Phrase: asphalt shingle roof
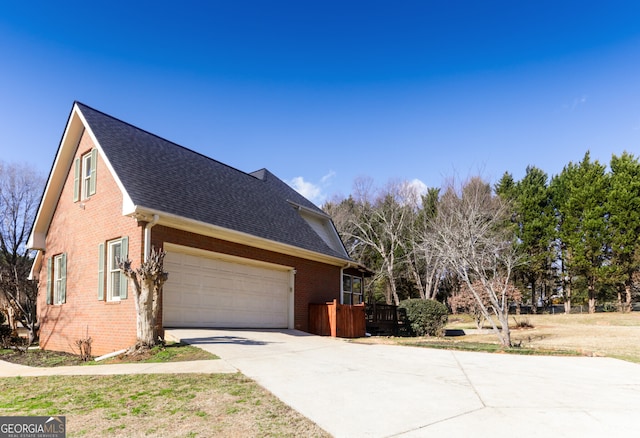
(163,176)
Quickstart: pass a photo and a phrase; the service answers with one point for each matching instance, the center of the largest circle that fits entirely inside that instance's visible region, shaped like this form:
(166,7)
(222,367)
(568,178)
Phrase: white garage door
(210,292)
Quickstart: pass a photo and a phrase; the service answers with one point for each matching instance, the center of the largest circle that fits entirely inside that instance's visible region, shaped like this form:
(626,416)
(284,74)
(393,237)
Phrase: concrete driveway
(356,390)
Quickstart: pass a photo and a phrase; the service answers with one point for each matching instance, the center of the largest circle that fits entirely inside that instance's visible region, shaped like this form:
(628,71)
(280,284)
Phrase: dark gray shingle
(163,176)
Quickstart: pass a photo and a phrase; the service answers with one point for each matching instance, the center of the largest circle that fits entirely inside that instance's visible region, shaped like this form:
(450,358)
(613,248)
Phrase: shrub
(610,307)
(6,337)
(523,323)
(425,317)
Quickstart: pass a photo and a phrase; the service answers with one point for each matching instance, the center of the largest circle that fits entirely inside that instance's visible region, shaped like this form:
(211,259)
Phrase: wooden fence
(382,319)
(337,320)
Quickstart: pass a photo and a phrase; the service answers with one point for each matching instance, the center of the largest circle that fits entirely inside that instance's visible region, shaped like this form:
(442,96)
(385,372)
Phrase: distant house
(243,249)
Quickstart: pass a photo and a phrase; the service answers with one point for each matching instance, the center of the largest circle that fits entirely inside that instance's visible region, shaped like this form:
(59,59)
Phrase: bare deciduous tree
(424,262)
(464,301)
(386,229)
(20,191)
(380,225)
(147,282)
(21,295)
(469,233)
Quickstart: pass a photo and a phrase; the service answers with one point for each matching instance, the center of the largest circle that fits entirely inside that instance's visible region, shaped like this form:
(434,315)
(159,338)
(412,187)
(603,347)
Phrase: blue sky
(322,93)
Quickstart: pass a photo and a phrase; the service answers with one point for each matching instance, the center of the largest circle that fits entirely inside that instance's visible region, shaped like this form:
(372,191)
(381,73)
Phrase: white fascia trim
(309,210)
(127,203)
(57,176)
(35,266)
(181,223)
(62,164)
(37,240)
(337,236)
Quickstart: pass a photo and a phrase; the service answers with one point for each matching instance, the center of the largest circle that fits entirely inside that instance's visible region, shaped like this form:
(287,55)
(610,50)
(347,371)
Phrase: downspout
(147,236)
(342,282)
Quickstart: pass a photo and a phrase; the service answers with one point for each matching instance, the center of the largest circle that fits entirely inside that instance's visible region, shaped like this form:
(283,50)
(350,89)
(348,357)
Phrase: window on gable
(85,176)
(351,289)
(57,279)
(113,252)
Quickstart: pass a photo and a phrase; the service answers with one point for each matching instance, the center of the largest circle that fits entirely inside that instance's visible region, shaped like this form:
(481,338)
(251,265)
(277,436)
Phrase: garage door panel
(190,300)
(209,292)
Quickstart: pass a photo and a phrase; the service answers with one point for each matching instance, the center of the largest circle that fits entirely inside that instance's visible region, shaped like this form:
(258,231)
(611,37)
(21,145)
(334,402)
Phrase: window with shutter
(117,282)
(57,279)
(85,175)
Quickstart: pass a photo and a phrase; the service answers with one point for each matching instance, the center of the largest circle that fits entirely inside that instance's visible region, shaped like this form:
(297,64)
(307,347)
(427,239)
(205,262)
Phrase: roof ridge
(161,138)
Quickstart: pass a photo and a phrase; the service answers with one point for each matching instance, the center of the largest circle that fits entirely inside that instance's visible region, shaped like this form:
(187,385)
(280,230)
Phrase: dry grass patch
(602,334)
(196,405)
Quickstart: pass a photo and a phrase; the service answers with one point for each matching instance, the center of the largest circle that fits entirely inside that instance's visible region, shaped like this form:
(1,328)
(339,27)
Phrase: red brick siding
(76,229)
(314,282)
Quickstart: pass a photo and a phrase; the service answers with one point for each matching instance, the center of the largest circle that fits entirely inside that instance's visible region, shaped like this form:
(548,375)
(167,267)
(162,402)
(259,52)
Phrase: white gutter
(147,236)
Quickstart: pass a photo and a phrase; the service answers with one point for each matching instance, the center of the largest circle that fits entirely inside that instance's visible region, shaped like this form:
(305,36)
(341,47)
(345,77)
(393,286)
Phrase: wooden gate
(337,320)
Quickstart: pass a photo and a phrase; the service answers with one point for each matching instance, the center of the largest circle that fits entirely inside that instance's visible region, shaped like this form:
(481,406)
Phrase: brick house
(243,249)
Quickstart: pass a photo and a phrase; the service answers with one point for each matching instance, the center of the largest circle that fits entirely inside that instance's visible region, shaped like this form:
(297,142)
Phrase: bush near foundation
(425,317)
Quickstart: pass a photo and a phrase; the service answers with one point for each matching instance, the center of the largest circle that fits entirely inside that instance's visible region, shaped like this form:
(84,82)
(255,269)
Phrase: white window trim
(57,279)
(111,270)
(86,166)
(350,291)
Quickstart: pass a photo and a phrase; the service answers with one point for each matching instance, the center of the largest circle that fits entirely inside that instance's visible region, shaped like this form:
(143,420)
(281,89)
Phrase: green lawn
(193,405)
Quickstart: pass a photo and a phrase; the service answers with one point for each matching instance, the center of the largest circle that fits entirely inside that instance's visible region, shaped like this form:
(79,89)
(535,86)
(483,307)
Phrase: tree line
(571,238)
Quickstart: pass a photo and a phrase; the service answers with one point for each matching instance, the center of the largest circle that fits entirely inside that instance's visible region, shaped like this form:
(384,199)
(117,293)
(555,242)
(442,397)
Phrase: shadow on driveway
(223,340)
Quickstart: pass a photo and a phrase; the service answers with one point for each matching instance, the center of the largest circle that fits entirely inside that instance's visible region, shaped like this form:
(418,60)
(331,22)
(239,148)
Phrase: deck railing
(383,319)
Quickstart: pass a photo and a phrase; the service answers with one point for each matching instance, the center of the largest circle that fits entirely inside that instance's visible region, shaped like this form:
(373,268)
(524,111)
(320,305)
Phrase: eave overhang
(205,229)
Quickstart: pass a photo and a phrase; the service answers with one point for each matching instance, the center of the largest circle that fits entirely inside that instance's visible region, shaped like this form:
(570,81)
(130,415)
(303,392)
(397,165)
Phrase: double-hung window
(85,176)
(109,273)
(113,281)
(57,279)
(351,289)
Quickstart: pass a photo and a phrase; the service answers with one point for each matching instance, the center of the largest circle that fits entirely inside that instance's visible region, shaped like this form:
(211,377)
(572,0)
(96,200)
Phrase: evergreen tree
(535,219)
(579,196)
(506,187)
(623,207)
